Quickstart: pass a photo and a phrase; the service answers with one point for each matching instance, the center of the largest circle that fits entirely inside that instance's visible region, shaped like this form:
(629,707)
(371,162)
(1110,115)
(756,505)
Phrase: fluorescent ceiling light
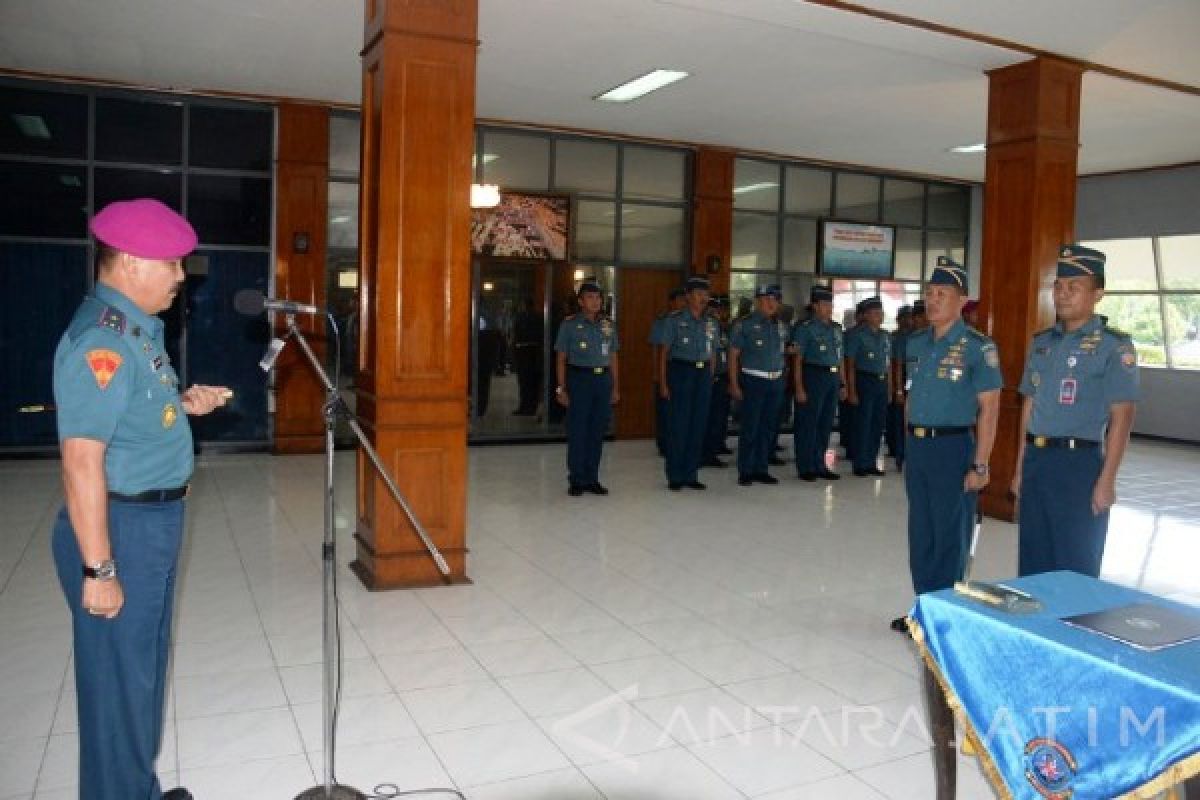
(485,195)
(755,187)
(969,148)
(348,279)
(32,126)
(340,218)
(487,158)
(641,86)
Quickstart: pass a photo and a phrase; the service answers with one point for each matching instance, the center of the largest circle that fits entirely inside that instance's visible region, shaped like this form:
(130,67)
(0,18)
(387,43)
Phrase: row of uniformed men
(1079,388)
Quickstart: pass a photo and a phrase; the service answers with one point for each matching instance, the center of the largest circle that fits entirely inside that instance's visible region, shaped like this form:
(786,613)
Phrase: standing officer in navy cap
(953,404)
(847,432)
(1080,386)
(868,377)
(718,406)
(585,364)
(894,424)
(686,363)
(756,379)
(675,301)
(920,321)
(818,384)
(127,460)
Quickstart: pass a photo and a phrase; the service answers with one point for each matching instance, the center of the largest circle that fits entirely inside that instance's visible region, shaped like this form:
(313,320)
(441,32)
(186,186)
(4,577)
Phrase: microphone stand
(334,408)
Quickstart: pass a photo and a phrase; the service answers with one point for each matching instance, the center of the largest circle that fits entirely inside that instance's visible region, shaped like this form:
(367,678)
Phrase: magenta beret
(144,228)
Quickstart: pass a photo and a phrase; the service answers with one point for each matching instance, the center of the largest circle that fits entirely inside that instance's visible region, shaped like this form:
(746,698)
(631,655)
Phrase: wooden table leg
(941,729)
(1191,788)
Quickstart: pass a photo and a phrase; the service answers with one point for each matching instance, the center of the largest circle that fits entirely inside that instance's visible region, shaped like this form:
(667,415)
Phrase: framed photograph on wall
(524,225)
(856,250)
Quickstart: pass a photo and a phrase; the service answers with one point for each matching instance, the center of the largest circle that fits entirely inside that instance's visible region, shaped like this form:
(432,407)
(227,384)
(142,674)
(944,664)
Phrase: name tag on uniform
(604,349)
(1066,392)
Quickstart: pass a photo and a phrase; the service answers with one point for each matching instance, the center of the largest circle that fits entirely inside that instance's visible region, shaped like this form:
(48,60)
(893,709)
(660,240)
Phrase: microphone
(252,302)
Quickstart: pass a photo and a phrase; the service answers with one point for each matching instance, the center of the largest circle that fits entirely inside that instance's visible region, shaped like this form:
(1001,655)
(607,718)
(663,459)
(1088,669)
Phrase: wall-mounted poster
(856,250)
(524,226)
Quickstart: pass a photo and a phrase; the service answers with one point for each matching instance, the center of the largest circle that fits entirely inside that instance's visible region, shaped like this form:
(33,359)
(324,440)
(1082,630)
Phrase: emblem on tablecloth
(1050,768)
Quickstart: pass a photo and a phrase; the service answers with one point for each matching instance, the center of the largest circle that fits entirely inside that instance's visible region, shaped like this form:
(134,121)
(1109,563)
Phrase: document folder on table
(1146,626)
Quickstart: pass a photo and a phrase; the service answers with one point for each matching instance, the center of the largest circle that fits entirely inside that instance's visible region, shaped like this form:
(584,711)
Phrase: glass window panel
(949,206)
(908,254)
(903,202)
(807,191)
(1180,257)
(895,294)
(844,299)
(857,197)
(43,200)
(799,244)
(755,241)
(516,160)
(651,173)
(230,138)
(343,214)
(741,290)
(139,131)
(126,184)
(1183,329)
(651,234)
(344,144)
(796,289)
(755,185)
(953,245)
(230,210)
(583,166)
(34,123)
(1129,263)
(1138,315)
(595,230)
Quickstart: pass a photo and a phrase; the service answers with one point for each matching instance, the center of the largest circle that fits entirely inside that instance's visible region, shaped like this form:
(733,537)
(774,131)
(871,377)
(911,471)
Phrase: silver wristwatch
(104,570)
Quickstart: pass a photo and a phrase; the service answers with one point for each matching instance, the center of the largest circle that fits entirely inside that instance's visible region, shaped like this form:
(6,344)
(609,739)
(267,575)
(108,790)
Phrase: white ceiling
(781,76)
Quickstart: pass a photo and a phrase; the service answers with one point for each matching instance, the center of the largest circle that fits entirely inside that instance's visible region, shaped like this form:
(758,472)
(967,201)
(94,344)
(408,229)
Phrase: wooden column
(301,203)
(418,110)
(712,214)
(1029,212)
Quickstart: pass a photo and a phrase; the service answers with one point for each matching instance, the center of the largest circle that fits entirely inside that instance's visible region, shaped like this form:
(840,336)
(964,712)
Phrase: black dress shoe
(861,473)
(776,461)
(178,793)
(766,477)
(876,471)
(596,488)
(808,476)
(724,451)
(575,491)
(674,487)
(829,475)
(900,625)
(714,462)
(695,485)
(745,480)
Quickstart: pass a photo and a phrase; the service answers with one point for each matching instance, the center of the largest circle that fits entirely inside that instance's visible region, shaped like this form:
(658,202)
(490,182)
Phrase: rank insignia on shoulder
(991,356)
(113,319)
(104,365)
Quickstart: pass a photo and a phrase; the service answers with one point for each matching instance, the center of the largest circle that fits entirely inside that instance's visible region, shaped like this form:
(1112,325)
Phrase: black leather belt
(880,375)
(820,367)
(932,431)
(591,370)
(150,495)
(692,364)
(1061,442)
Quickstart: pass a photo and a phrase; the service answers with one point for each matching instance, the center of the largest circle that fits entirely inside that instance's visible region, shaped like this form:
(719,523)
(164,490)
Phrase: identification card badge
(604,349)
(908,385)
(1066,392)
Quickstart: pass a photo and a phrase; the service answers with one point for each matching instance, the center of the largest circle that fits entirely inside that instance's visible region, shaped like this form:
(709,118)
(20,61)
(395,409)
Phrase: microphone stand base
(336,792)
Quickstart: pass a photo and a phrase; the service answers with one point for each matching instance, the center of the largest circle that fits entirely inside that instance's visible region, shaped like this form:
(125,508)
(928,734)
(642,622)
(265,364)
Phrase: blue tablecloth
(1059,712)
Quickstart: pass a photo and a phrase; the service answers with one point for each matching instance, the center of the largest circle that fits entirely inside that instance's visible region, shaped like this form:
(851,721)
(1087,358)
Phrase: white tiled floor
(634,647)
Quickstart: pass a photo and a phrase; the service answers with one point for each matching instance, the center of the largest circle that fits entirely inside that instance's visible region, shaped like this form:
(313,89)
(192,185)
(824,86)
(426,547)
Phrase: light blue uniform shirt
(114,383)
(761,341)
(688,338)
(818,343)
(946,375)
(656,329)
(587,343)
(869,349)
(1075,378)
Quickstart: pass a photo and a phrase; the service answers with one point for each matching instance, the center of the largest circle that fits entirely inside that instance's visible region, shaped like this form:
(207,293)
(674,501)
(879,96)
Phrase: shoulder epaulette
(675,313)
(1044,331)
(569,317)
(977,334)
(1117,332)
(112,319)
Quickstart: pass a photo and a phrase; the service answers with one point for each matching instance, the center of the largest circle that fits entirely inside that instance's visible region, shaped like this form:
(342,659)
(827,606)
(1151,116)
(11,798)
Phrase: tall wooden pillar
(418,111)
(1029,212)
(712,215)
(301,192)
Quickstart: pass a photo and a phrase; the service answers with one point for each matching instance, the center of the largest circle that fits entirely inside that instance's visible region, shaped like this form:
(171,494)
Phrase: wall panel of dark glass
(43,200)
(857,197)
(230,138)
(949,206)
(36,123)
(230,210)
(114,184)
(139,131)
(585,166)
(42,285)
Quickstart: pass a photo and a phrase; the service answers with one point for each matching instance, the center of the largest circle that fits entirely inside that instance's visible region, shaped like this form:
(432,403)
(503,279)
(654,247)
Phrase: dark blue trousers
(894,431)
(121,664)
(846,429)
(687,419)
(718,419)
(814,419)
(760,414)
(660,421)
(1057,527)
(940,513)
(868,419)
(588,415)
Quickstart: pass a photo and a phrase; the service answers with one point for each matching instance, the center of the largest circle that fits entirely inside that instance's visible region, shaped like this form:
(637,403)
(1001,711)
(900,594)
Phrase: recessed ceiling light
(969,148)
(755,187)
(31,126)
(641,86)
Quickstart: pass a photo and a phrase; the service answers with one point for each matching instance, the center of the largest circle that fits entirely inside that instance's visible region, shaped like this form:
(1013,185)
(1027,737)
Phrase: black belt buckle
(151,495)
